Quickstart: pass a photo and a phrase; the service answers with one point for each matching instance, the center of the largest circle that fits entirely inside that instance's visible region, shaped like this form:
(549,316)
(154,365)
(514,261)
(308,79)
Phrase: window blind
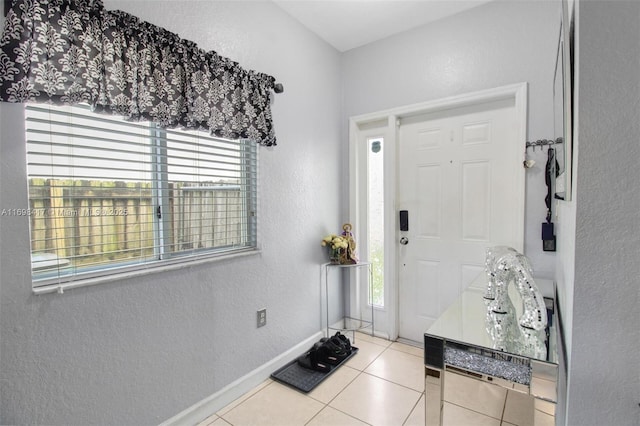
(107,195)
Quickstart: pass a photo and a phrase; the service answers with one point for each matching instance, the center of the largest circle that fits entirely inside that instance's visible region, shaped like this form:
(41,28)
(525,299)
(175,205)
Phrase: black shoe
(311,360)
(333,351)
(344,340)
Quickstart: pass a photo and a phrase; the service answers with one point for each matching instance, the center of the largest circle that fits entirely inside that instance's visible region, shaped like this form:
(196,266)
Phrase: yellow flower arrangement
(335,242)
(341,247)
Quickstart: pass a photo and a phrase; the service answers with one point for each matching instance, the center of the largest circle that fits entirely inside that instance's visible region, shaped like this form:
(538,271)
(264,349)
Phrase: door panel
(456,173)
(428,213)
(476,191)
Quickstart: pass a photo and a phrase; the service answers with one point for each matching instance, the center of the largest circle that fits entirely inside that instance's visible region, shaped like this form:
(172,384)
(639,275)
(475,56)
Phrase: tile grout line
(394,383)
(474,411)
(253,394)
(306,395)
(360,372)
(387,380)
(327,404)
(363,371)
(414,408)
(504,407)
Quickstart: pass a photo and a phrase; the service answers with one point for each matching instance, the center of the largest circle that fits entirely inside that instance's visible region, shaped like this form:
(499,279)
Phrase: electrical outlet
(262,317)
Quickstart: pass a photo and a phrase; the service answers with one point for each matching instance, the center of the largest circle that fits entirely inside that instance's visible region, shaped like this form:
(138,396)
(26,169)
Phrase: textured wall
(604,366)
(492,45)
(140,351)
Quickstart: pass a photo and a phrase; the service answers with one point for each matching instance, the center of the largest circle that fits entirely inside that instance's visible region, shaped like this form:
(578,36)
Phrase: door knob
(404,241)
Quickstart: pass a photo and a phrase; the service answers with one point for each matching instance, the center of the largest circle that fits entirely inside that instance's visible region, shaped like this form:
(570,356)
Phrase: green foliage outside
(376,255)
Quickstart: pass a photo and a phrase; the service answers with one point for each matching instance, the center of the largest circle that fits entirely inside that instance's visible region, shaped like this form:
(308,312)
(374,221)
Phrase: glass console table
(473,353)
(349,322)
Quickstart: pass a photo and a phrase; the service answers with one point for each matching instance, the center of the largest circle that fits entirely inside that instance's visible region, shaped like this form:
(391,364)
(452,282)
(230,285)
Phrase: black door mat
(305,379)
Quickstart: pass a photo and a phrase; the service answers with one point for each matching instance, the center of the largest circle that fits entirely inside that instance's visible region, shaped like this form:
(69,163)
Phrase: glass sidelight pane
(375,221)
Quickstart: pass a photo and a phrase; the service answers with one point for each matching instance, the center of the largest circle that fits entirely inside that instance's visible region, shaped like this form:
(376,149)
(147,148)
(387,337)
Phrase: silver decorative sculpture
(508,336)
(491,262)
(503,266)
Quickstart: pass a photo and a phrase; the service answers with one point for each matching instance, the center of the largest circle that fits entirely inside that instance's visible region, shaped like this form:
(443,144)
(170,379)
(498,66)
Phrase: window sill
(60,288)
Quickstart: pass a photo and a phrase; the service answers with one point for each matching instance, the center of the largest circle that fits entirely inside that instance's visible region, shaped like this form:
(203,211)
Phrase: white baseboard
(214,403)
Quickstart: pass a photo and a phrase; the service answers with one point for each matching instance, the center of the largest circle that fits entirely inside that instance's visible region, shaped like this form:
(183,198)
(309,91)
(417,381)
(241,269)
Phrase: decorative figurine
(350,256)
(508,265)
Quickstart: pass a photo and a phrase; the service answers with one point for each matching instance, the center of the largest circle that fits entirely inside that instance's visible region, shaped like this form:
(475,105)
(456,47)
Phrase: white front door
(458,179)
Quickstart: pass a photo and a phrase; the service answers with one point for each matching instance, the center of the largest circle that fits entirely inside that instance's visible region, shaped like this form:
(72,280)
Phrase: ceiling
(346,24)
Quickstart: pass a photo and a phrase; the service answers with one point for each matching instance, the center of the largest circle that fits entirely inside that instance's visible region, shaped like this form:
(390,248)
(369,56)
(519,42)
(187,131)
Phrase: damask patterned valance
(75,51)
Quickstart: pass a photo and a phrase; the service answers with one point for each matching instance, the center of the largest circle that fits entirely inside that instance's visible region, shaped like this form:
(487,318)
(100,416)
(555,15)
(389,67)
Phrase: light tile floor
(383,384)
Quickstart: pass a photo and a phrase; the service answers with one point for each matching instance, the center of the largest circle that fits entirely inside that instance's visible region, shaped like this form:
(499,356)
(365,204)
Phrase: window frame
(162,261)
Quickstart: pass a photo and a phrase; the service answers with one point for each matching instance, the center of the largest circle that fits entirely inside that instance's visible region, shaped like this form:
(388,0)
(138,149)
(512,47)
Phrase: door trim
(357,198)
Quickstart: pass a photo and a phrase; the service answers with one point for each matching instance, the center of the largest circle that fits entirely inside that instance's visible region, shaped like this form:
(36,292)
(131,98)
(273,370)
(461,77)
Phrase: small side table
(349,322)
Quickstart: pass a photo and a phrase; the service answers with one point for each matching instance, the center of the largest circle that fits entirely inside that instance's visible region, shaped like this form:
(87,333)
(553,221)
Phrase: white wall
(604,361)
(492,45)
(140,351)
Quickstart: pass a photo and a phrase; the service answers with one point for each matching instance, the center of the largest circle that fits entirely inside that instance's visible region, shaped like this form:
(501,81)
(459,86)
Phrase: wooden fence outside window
(95,222)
